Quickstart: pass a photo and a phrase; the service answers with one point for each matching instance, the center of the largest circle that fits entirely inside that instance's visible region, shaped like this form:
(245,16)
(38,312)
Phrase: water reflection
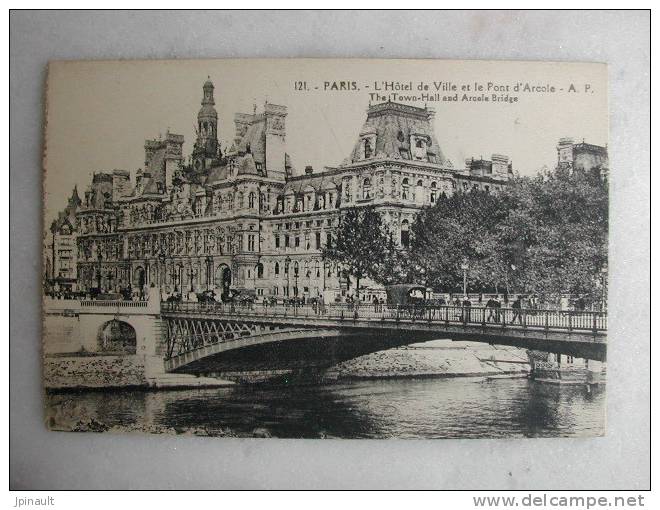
(427,408)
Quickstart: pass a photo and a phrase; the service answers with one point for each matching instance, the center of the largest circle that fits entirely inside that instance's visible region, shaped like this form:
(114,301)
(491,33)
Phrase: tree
(559,222)
(459,229)
(362,244)
(545,235)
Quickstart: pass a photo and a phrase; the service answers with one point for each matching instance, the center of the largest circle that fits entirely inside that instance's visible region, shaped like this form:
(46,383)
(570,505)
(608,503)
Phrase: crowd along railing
(466,315)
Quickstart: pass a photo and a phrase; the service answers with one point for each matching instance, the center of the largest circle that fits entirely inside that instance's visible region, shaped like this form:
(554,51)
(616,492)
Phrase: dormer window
(368,146)
(419,146)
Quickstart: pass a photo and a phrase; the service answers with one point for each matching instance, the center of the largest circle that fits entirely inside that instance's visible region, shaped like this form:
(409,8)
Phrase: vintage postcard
(310,248)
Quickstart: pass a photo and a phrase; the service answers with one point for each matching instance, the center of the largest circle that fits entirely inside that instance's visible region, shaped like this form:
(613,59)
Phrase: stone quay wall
(69,372)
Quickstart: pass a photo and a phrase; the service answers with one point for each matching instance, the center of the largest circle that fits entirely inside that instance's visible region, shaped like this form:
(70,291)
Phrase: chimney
(309,170)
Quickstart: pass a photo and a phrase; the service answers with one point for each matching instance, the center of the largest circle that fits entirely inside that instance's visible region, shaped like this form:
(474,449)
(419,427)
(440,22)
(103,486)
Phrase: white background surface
(49,460)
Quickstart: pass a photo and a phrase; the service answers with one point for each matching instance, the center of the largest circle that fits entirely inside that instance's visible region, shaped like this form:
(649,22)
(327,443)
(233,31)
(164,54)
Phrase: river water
(401,408)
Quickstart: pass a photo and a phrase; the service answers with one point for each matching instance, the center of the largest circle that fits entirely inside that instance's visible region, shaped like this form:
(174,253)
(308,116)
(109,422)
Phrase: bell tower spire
(206,146)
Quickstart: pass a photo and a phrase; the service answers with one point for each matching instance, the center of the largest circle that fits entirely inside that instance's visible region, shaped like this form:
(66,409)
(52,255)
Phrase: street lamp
(464,267)
(98,274)
(110,278)
(295,275)
(287,263)
(161,267)
(209,270)
(603,285)
(192,273)
(176,275)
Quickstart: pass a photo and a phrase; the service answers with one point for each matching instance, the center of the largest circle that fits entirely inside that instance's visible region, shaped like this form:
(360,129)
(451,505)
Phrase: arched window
(405,189)
(405,234)
(317,269)
(251,198)
(260,270)
(419,192)
(419,144)
(434,192)
(296,269)
(277,268)
(366,188)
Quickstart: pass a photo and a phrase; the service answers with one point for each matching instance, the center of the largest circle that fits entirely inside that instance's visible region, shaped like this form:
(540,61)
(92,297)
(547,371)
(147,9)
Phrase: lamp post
(192,273)
(176,275)
(603,286)
(110,278)
(161,268)
(464,267)
(98,273)
(209,270)
(287,263)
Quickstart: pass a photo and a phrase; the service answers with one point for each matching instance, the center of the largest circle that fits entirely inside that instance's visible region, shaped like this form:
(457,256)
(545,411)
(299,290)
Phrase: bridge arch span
(267,331)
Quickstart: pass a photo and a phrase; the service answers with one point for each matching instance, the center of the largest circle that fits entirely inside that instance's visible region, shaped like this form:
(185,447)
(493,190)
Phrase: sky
(100,113)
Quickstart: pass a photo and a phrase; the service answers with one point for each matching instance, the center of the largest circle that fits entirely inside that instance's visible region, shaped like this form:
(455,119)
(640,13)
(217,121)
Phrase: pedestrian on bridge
(491,304)
(467,309)
(517,310)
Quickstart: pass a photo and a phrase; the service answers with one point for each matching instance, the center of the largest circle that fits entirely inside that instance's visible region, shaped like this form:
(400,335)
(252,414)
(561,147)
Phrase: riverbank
(437,358)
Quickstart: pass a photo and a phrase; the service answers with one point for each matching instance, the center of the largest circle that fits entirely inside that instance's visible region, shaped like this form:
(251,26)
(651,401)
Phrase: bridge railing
(472,315)
(113,304)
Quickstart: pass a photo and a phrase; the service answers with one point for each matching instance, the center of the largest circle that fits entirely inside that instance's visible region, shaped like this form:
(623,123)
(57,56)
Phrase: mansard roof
(319,182)
(217,173)
(393,124)
(254,140)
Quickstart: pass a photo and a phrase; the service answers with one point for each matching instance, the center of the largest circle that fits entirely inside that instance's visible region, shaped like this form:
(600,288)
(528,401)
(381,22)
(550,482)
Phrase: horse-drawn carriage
(406,294)
(409,299)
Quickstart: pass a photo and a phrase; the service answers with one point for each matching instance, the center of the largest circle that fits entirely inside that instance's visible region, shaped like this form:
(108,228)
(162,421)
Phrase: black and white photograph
(310,248)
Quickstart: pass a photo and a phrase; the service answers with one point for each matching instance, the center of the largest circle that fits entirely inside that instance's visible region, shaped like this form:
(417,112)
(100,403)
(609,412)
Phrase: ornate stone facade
(242,221)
